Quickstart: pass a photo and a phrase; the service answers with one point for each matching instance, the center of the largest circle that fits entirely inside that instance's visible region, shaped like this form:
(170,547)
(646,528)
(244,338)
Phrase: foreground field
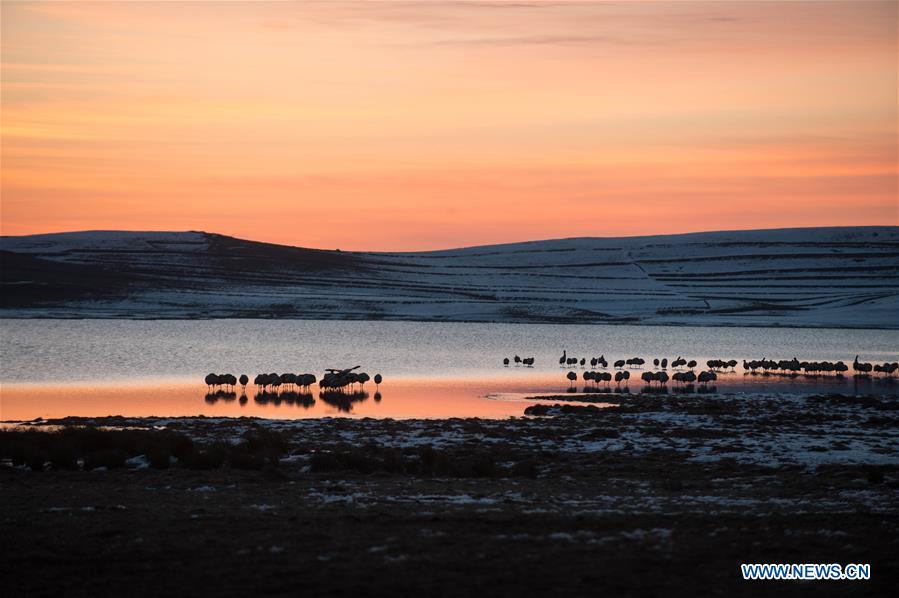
(655,495)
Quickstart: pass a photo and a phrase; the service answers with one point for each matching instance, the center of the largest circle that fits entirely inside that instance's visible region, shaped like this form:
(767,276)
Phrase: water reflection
(406,398)
(344,401)
(500,396)
(220,395)
(284,397)
(655,390)
(863,378)
(793,375)
(601,390)
(753,382)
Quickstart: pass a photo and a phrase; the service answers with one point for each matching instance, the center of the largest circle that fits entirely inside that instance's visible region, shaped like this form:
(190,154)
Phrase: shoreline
(350,318)
(644,422)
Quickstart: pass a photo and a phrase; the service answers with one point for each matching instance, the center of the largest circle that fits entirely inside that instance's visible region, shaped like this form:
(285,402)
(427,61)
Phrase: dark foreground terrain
(659,495)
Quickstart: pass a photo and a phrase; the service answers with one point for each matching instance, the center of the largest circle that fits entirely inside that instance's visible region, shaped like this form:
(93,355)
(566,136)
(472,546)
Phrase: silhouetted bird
(862,368)
(363,378)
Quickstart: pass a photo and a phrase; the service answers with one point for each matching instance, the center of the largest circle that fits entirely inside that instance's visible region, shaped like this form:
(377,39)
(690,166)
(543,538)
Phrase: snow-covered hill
(844,276)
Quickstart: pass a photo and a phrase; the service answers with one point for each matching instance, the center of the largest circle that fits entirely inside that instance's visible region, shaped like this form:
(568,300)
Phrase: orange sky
(436,123)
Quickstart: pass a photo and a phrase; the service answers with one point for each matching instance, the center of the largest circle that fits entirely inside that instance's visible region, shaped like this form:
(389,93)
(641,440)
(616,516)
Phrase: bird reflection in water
(655,390)
(594,390)
(220,395)
(344,401)
(285,397)
(288,397)
(597,390)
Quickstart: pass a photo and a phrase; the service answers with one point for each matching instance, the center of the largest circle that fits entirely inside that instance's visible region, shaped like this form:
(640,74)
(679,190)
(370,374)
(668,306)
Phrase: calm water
(100,367)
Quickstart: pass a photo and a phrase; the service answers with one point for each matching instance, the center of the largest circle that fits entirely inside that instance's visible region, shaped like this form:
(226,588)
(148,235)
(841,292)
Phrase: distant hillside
(845,276)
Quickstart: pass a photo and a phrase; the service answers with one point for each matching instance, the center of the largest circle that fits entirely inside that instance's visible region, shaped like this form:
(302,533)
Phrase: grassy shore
(658,494)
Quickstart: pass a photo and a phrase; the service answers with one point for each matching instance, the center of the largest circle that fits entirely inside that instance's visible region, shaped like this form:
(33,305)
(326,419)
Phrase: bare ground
(660,494)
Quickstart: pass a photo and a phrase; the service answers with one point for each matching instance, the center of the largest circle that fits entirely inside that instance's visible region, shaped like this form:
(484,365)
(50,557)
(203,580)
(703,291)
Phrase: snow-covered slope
(845,276)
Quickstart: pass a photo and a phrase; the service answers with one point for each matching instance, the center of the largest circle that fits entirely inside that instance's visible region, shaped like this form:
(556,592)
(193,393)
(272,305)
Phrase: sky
(423,124)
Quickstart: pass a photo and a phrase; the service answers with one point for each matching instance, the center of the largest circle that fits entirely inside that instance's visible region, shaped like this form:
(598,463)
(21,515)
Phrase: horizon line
(458,247)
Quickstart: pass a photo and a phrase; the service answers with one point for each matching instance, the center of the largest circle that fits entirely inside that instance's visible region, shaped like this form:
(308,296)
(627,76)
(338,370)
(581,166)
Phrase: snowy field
(821,277)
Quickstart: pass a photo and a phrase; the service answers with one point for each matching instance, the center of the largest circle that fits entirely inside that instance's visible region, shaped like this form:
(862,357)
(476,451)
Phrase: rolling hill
(843,276)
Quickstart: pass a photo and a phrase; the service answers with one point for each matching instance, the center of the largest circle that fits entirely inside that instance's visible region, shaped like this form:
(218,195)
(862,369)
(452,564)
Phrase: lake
(51,368)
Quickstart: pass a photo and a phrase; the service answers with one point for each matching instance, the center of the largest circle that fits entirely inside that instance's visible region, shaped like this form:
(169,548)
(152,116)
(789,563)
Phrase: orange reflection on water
(408,398)
(500,396)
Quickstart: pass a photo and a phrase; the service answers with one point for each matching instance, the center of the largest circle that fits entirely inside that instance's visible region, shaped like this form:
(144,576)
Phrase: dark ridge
(28,281)
(238,254)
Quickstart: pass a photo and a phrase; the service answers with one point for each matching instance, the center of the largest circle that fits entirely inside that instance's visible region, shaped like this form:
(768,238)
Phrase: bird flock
(684,371)
(794,367)
(275,382)
(343,379)
(661,376)
(525,361)
(228,380)
(334,380)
